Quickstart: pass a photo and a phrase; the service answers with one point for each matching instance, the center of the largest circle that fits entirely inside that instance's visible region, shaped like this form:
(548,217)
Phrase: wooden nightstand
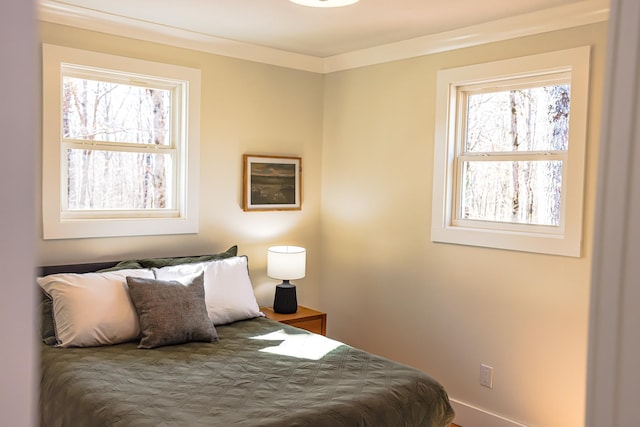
(305,318)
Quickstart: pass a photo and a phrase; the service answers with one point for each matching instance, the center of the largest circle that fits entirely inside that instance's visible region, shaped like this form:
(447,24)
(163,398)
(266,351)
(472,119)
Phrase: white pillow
(93,309)
(228,292)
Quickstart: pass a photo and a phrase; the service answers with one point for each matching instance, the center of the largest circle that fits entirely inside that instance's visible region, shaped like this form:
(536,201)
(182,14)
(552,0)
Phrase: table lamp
(286,263)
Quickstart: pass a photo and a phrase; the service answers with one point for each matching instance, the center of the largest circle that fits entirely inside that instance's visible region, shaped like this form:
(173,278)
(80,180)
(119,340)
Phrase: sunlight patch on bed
(303,346)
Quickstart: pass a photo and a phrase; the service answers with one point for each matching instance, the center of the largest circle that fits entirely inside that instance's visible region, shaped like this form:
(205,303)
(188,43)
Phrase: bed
(252,371)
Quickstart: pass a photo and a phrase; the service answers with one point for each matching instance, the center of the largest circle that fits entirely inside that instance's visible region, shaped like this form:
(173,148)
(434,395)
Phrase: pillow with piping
(92,309)
(228,290)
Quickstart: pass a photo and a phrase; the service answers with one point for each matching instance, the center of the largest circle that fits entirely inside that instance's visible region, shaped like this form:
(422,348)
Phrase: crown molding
(88,19)
(558,18)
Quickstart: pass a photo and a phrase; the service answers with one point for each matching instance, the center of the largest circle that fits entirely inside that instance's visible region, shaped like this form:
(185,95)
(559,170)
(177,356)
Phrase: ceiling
(312,32)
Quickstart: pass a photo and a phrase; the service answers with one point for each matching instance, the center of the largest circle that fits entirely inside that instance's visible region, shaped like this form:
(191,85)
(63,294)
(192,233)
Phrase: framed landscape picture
(272,183)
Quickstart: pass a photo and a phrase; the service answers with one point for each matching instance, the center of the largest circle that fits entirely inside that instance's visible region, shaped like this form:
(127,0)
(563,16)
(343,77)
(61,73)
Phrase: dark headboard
(95,266)
(74,268)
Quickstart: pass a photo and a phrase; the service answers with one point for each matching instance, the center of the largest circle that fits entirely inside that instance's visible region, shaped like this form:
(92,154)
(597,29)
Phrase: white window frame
(446,226)
(61,224)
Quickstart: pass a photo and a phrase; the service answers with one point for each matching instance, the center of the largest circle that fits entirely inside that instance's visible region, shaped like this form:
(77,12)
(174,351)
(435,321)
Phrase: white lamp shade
(286,262)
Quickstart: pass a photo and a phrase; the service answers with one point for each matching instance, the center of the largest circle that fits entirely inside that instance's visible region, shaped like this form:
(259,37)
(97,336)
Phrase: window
(509,153)
(120,145)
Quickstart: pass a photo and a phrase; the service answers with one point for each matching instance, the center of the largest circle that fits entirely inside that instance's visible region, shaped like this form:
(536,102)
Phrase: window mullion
(120,147)
(514,156)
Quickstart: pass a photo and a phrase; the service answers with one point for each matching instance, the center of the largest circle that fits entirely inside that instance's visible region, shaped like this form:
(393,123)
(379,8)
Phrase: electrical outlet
(486,376)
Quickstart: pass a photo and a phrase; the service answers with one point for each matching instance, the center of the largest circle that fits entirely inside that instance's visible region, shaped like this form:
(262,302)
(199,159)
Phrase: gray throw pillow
(170,312)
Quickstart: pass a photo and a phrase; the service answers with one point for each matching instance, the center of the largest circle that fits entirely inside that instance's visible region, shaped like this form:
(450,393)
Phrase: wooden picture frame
(272,183)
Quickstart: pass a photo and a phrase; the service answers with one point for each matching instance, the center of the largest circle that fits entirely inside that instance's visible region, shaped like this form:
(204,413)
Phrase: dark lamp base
(285,301)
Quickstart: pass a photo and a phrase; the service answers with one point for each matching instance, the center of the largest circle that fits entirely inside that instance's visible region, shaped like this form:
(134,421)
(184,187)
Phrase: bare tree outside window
(505,176)
(509,153)
(120,170)
(120,145)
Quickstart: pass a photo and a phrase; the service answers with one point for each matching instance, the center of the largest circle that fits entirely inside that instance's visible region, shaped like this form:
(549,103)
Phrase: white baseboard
(470,416)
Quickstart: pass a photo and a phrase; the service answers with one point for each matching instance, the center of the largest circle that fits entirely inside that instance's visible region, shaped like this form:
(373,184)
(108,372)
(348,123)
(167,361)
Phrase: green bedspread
(260,373)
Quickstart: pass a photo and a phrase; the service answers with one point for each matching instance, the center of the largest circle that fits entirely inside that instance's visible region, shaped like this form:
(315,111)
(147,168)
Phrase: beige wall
(366,138)
(247,107)
(447,308)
